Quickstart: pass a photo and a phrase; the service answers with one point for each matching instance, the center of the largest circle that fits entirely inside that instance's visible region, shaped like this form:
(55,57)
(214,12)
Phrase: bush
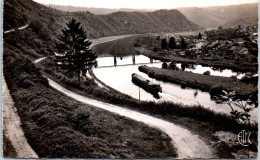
(155,49)
(164,65)
(164,43)
(206,73)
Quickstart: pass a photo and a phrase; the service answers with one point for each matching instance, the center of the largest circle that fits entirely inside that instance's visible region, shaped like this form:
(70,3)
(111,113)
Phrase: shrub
(164,65)
(206,73)
(155,49)
(164,43)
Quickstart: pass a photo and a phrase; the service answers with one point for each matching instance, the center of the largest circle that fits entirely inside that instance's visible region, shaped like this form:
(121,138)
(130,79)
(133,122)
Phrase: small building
(213,44)
(239,41)
(238,50)
(182,53)
(199,45)
(205,44)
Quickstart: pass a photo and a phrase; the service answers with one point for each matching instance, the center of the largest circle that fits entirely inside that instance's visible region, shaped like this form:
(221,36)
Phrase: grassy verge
(57,126)
(199,81)
(8,148)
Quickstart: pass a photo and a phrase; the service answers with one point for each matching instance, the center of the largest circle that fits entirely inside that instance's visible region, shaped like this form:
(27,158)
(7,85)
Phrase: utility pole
(139,93)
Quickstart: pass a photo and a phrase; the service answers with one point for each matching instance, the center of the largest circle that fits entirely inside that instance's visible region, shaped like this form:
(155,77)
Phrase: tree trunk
(79,78)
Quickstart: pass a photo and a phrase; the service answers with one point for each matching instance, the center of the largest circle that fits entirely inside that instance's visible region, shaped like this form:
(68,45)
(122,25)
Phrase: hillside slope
(96,11)
(244,21)
(228,16)
(18,12)
(201,16)
(209,17)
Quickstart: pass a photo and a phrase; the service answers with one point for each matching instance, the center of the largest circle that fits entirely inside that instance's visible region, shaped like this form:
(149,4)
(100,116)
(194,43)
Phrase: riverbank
(222,63)
(199,81)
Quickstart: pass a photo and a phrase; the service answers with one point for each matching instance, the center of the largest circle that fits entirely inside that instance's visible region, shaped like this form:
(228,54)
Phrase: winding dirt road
(188,145)
(20,28)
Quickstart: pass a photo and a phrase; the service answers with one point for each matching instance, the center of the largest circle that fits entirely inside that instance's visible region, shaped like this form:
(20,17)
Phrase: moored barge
(146,84)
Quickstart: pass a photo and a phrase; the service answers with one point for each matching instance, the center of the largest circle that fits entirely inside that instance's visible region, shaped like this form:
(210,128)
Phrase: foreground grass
(59,127)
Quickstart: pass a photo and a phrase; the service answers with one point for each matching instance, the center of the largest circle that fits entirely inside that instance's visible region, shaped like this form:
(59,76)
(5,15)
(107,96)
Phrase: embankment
(199,81)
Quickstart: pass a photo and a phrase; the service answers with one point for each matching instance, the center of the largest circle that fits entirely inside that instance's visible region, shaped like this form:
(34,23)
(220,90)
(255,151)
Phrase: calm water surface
(119,78)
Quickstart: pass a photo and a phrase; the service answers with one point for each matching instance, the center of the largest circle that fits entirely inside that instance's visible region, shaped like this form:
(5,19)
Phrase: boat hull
(143,83)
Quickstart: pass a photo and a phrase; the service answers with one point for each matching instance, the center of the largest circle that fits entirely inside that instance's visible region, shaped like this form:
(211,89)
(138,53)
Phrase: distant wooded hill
(208,17)
(96,11)
(227,16)
(20,12)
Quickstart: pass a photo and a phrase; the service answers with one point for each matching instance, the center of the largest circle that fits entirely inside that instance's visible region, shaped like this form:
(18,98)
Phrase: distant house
(213,44)
(243,51)
(182,53)
(238,50)
(196,40)
(199,45)
(205,44)
(239,41)
(229,43)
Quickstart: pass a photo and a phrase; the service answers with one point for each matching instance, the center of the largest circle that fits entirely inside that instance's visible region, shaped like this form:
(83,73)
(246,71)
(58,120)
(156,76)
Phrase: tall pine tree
(172,43)
(75,48)
(183,43)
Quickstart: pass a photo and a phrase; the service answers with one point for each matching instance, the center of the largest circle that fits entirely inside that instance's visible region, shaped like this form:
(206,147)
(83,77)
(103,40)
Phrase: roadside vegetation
(8,148)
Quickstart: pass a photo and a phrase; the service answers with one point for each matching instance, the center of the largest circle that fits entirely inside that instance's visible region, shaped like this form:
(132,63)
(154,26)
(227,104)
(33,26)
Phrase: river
(119,78)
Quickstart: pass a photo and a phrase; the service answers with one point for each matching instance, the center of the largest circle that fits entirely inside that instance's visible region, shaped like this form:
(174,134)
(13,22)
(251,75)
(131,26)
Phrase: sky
(151,4)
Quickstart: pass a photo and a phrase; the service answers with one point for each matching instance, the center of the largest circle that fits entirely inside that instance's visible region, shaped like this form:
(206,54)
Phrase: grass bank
(59,127)
(200,81)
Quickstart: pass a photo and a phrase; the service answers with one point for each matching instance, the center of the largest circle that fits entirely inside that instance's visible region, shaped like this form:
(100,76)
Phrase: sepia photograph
(132,79)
